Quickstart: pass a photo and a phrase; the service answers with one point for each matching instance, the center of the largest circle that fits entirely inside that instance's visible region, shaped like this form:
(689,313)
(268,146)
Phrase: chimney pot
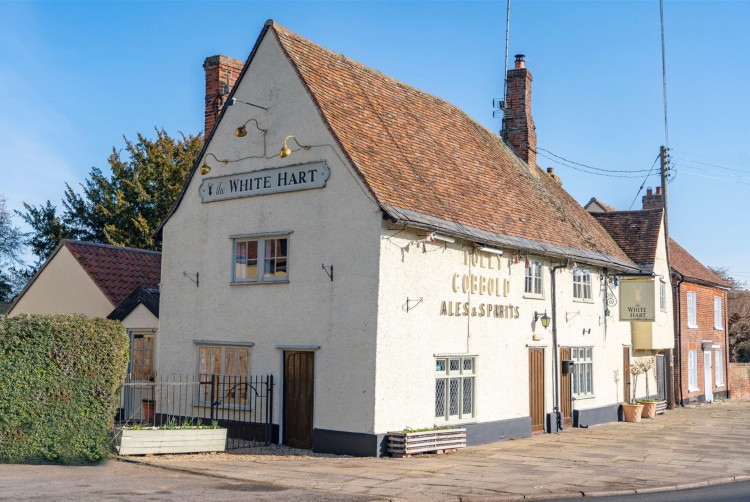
(649,192)
(658,190)
(551,170)
(520,61)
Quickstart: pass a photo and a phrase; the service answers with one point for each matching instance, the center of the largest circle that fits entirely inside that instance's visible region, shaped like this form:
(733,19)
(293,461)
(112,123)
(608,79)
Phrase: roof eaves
(141,295)
(419,220)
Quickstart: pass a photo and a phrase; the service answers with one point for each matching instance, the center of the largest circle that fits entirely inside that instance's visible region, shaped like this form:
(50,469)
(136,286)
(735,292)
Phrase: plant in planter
(171,437)
(149,404)
(649,405)
(632,410)
(429,440)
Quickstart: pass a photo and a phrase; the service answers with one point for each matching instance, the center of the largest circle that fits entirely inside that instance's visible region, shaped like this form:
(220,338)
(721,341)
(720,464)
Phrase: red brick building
(701,331)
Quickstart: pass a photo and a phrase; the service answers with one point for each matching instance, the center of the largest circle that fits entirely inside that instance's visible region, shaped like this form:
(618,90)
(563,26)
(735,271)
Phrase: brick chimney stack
(221,74)
(518,125)
(652,200)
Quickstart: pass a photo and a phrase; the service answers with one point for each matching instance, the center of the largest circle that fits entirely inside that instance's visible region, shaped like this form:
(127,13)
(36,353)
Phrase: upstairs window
(691,312)
(662,296)
(582,284)
(260,260)
(533,283)
(717,313)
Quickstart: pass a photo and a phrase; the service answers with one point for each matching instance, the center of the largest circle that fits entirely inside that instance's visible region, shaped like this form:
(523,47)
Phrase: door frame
(708,381)
(280,398)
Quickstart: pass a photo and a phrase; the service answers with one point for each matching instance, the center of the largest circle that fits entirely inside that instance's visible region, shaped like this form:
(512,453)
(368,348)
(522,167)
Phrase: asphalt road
(120,481)
(729,492)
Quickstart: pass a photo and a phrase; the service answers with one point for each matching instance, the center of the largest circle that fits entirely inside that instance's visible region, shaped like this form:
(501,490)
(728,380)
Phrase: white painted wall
(63,287)
(141,318)
(407,342)
(337,225)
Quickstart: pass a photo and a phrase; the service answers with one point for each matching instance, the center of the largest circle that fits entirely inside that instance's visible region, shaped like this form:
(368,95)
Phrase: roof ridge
(110,246)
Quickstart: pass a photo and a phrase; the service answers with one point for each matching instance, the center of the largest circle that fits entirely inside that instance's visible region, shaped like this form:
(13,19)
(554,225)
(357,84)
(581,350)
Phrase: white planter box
(410,443)
(145,441)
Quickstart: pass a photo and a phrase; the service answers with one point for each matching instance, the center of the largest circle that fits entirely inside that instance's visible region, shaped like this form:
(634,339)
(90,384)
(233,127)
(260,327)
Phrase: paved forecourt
(686,447)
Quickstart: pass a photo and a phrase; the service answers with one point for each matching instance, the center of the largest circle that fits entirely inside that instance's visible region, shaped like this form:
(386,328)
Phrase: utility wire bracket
(415,303)
(196,280)
(328,270)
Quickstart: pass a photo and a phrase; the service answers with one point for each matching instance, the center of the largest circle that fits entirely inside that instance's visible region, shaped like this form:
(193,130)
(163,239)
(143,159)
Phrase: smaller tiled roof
(118,271)
(686,265)
(148,297)
(636,232)
(606,207)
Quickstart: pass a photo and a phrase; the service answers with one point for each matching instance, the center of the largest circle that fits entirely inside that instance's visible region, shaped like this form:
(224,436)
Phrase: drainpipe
(555,348)
(678,332)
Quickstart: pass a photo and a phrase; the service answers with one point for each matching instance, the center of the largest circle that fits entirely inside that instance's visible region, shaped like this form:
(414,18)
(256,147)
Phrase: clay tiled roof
(684,264)
(117,270)
(636,232)
(416,152)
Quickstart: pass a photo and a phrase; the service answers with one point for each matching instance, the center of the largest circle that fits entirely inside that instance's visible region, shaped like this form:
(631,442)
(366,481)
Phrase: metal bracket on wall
(197,278)
(328,270)
(415,302)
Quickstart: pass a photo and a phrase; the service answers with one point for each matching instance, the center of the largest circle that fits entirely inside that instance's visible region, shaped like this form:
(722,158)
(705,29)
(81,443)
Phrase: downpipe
(555,348)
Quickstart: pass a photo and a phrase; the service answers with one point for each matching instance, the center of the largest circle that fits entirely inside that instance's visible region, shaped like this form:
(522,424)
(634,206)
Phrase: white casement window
(581,284)
(662,296)
(717,313)
(719,365)
(533,283)
(225,369)
(691,310)
(692,370)
(454,387)
(583,372)
(259,260)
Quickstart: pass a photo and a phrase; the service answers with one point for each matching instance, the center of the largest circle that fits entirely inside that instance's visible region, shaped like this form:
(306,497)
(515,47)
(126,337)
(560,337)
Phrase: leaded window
(455,387)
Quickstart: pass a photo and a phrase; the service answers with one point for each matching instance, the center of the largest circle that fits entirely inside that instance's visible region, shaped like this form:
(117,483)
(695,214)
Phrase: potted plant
(649,405)
(430,440)
(171,437)
(632,410)
(148,409)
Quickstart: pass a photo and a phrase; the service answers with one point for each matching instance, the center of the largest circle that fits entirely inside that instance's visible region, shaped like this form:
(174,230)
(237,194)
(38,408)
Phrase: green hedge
(59,380)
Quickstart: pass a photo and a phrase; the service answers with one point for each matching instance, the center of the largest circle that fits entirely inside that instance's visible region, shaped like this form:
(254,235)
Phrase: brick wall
(694,338)
(220,71)
(739,380)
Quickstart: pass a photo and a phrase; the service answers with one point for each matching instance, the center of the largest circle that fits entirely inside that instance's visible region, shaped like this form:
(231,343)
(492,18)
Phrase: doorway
(707,382)
(661,377)
(536,389)
(566,396)
(298,383)
(626,374)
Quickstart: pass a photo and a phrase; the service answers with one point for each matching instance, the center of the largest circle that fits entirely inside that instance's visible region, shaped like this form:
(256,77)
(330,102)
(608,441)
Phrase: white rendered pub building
(393,262)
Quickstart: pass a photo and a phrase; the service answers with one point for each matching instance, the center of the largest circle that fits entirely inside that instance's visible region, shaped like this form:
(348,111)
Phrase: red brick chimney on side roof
(652,200)
(518,125)
(221,74)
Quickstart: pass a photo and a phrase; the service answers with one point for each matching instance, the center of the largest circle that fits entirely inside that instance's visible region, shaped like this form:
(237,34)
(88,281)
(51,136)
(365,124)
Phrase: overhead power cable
(644,182)
(591,167)
(747,171)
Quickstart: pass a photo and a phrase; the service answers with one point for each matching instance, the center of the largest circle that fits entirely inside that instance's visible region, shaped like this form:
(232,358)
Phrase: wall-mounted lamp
(241,131)
(444,238)
(205,168)
(234,101)
(286,151)
(491,250)
(543,317)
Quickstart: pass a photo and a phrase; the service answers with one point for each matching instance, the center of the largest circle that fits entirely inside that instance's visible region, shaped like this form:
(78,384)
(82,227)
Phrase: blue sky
(77,76)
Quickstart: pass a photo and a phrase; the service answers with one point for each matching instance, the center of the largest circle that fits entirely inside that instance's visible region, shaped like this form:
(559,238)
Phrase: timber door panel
(536,389)
(661,377)
(298,398)
(626,374)
(566,397)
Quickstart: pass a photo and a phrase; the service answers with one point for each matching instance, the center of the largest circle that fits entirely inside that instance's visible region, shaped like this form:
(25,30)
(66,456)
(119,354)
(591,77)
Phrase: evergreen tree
(10,254)
(126,208)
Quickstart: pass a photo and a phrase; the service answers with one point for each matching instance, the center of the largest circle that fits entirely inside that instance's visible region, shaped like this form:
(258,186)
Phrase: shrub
(59,377)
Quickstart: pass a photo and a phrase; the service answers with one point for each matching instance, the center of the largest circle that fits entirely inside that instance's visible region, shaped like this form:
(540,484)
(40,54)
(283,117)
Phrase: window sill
(583,300)
(457,423)
(695,326)
(257,283)
(583,398)
(719,385)
(533,296)
(690,389)
(718,329)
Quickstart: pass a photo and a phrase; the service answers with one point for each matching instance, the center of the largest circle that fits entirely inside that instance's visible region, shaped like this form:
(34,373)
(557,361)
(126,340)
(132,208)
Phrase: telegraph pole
(664,160)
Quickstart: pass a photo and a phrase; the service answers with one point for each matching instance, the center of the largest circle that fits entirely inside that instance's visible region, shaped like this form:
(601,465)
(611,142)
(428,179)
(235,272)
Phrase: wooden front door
(536,389)
(298,398)
(566,397)
(626,374)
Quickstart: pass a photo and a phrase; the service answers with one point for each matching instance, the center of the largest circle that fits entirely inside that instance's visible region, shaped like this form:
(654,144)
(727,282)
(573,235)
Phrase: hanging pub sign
(637,300)
(265,181)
